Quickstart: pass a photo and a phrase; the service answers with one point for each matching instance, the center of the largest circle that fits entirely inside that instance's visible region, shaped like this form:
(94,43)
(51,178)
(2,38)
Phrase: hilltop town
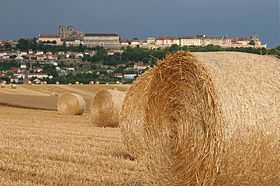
(75,56)
(72,37)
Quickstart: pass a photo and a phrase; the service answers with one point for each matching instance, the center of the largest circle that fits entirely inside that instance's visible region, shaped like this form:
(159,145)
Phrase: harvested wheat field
(45,96)
(43,148)
(39,146)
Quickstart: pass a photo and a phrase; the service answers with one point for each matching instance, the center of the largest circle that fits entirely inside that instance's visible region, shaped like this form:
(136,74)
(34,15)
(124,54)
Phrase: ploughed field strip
(42,147)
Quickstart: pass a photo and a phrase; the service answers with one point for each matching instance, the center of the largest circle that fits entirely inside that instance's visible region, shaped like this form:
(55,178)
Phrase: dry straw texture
(133,113)
(212,119)
(71,104)
(105,108)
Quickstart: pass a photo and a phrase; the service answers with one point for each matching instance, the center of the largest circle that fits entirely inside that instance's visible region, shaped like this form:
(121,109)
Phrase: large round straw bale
(29,82)
(77,83)
(105,108)
(57,83)
(71,104)
(132,115)
(212,119)
(13,86)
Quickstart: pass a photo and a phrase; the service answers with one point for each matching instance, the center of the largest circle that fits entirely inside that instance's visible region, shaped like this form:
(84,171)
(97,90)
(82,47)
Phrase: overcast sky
(142,18)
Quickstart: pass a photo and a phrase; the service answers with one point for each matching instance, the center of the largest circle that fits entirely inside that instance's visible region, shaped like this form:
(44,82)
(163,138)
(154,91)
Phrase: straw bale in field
(105,108)
(212,119)
(2,85)
(71,104)
(13,86)
(133,113)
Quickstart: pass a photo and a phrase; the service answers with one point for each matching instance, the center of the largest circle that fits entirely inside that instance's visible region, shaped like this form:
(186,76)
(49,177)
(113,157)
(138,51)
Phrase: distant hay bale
(91,82)
(71,104)
(97,82)
(133,113)
(45,83)
(69,83)
(105,108)
(117,82)
(54,94)
(57,83)
(211,119)
(4,82)
(3,85)
(13,86)
(29,83)
(81,83)
(77,83)
(107,83)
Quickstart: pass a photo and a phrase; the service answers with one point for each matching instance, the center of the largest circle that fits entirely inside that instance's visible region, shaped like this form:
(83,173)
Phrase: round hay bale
(54,94)
(77,83)
(69,83)
(133,113)
(211,119)
(105,108)
(4,82)
(57,83)
(45,83)
(3,85)
(117,82)
(97,82)
(71,104)
(13,86)
(29,83)
(107,83)
(91,82)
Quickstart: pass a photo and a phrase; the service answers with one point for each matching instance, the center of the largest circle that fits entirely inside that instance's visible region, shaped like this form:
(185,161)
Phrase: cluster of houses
(44,56)
(24,73)
(69,36)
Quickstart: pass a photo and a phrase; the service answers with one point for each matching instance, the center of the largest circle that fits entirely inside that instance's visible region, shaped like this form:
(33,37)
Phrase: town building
(166,41)
(104,40)
(70,33)
(50,39)
(190,41)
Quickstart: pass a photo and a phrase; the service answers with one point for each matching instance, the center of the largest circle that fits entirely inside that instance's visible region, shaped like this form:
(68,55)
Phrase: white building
(190,41)
(167,41)
(40,76)
(50,39)
(104,40)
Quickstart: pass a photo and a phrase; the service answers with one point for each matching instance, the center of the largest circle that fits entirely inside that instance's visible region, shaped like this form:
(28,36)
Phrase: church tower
(61,31)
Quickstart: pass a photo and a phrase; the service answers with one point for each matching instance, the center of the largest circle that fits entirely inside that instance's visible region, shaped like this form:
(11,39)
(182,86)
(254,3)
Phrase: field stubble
(40,147)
